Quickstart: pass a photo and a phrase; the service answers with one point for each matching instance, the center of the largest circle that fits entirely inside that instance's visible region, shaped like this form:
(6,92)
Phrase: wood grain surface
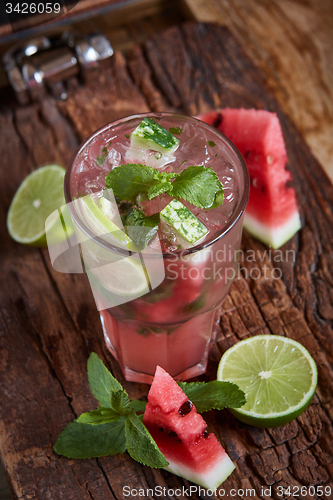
(291,42)
(49,323)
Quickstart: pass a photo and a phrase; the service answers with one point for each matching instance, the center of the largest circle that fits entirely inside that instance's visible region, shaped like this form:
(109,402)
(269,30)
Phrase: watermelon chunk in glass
(271,214)
(181,434)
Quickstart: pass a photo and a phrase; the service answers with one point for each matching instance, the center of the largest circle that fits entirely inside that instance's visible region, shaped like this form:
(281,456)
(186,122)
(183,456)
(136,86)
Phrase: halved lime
(40,194)
(277,374)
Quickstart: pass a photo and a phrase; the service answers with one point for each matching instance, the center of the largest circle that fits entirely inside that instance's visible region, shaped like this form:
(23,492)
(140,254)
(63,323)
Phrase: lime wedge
(277,374)
(117,278)
(100,223)
(40,194)
(119,281)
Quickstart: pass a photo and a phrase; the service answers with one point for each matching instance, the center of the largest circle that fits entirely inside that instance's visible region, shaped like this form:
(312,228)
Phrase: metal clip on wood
(53,63)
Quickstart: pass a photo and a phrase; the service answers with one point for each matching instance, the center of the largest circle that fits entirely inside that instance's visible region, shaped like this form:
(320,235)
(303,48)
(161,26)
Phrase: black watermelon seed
(205,433)
(172,434)
(161,429)
(218,120)
(185,408)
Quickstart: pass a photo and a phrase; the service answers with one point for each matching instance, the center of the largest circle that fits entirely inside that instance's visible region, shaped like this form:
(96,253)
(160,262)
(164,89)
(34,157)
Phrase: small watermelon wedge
(271,214)
(181,434)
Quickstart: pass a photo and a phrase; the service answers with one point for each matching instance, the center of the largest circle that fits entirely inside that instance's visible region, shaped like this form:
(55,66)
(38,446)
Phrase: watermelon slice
(181,434)
(271,214)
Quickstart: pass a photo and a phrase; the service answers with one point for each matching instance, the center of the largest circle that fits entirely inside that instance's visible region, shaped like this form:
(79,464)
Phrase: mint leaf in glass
(100,159)
(102,383)
(128,181)
(140,444)
(159,188)
(141,228)
(176,130)
(198,185)
(79,440)
(213,395)
(219,199)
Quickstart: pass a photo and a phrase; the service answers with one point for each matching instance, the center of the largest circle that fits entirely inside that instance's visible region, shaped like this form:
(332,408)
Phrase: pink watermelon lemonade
(167,321)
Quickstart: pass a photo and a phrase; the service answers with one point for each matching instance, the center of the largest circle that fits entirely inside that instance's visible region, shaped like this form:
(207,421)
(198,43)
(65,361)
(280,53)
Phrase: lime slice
(41,193)
(116,281)
(117,278)
(277,374)
(100,224)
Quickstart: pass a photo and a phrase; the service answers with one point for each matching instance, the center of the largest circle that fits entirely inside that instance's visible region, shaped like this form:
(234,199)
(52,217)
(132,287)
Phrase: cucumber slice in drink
(150,135)
(184,223)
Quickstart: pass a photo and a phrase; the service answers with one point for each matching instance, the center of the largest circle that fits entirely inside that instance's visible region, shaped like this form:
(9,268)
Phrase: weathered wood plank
(49,324)
(290,42)
(111,95)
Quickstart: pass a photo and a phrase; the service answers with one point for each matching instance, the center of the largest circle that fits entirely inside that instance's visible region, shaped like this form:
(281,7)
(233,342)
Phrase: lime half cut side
(40,194)
(277,374)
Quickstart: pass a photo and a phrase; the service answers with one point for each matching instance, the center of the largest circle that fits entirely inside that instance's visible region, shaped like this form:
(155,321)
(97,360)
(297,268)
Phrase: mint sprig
(116,425)
(197,184)
(112,428)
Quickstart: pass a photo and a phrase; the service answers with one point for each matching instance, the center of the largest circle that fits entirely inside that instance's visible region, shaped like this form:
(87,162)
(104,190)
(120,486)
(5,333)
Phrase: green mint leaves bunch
(196,184)
(116,425)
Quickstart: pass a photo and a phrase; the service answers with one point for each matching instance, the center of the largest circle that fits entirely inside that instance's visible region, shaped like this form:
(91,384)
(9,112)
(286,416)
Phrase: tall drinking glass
(164,315)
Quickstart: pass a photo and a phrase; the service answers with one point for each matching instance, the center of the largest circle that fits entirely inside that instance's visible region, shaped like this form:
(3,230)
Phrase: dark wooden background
(48,321)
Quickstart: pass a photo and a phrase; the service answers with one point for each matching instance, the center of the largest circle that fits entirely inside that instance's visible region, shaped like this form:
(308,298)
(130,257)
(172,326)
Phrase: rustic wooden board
(290,41)
(49,324)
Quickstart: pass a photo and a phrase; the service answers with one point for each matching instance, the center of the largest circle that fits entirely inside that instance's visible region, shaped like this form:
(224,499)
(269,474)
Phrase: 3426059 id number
(303,491)
(33,8)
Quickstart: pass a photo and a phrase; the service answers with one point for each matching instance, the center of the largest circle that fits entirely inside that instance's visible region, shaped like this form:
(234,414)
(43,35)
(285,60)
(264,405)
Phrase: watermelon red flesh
(272,213)
(181,435)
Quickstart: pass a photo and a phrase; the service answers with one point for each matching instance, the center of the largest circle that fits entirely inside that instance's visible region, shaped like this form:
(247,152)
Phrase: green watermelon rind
(210,479)
(273,236)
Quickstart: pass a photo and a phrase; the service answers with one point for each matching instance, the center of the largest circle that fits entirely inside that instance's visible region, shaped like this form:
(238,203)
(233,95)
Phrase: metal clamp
(46,62)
